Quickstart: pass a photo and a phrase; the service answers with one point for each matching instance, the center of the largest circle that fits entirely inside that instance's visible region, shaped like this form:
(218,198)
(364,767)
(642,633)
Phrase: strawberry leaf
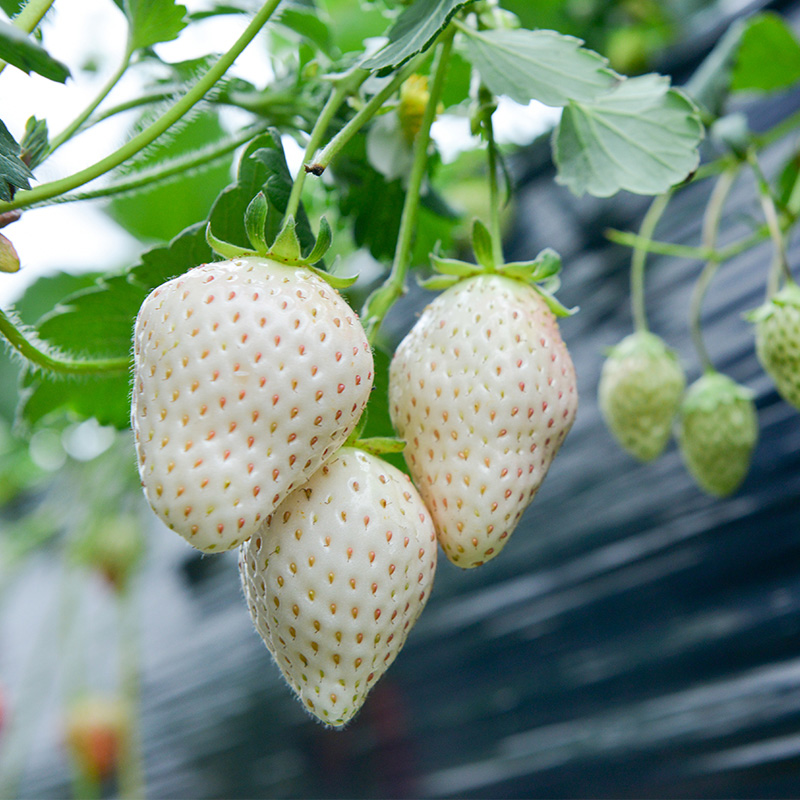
(538,65)
(768,56)
(413,31)
(22,52)
(153,21)
(641,137)
(14,174)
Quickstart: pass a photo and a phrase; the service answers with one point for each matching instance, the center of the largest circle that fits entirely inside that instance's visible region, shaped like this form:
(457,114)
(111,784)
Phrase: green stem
(379,303)
(639,257)
(334,102)
(152,132)
(780,265)
(333,147)
(167,169)
(132,784)
(105,90)
(495,229)
(29,18)
(711,222)
(61,365)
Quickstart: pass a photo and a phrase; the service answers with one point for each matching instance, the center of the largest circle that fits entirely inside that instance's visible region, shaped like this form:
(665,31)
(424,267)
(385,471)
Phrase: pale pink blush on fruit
(248,376)
(483,392)
(337,577)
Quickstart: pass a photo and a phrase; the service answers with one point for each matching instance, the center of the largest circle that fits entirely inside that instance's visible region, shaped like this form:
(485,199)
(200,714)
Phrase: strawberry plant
(243,363)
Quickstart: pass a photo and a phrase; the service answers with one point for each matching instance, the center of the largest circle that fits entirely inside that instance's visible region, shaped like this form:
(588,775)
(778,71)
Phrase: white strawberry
(248,375)
(483,391)
(336,578)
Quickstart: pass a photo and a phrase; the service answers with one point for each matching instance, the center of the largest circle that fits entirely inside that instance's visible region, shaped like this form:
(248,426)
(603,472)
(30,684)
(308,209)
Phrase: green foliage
(538,65)
(768,56)
(641,137)
(414,31)
(14,173)
(153,21)
(22,52)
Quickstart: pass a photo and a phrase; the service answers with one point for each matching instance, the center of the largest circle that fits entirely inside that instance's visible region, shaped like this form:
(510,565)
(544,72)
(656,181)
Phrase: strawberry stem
(46,191)
(59,364)
(639,258)
(488,106)
(380,301)
(711,222)
(338,95)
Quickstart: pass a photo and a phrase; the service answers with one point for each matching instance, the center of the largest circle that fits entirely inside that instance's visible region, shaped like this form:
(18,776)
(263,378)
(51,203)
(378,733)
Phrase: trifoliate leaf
(538,65)
(413,31)
(153,21)
(22,52)
(641,137)
(769,56)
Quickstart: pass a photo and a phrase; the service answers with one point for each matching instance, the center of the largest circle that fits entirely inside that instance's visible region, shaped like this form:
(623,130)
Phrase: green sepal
(380,445)
(544,266)
(453,266)
(226,249)
(438,283)
(255,223)
(336,281)
(482,245)
(286,246)
(322,244)
(556,306)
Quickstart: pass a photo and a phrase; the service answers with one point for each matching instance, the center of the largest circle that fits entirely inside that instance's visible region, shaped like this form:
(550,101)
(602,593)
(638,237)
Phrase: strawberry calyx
(789,296)
(541,273)
(285,248)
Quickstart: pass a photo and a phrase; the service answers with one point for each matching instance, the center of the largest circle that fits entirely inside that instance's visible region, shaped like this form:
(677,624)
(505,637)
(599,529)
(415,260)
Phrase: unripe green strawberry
(717,432)
(640,388)
(778,341)
(248,376)
(336,578)
(482,390)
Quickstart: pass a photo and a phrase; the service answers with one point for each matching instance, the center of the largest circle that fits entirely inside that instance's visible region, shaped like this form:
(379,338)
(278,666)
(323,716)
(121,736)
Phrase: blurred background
(636,638)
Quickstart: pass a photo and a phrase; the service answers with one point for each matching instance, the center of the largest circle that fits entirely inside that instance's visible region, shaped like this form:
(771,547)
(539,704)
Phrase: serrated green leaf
(413,31)
(538,65)
(22,52)
(153,21)
(14,173)
(255,222)
(641,137)
(482,245)
(768,57)
(305,20)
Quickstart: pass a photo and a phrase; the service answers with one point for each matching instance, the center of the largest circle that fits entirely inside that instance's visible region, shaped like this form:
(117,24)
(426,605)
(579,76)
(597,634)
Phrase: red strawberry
(336,578)
(248,375)
(483,391)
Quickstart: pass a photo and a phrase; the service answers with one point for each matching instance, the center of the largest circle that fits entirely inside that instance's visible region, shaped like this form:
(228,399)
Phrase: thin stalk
(639,258)
(711,222)
(334,102)
(375,103)
(167,169)
(29,18)
(59,364)
(394,284)
(105,90)
(151,132)
(494,193)
(780,265)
